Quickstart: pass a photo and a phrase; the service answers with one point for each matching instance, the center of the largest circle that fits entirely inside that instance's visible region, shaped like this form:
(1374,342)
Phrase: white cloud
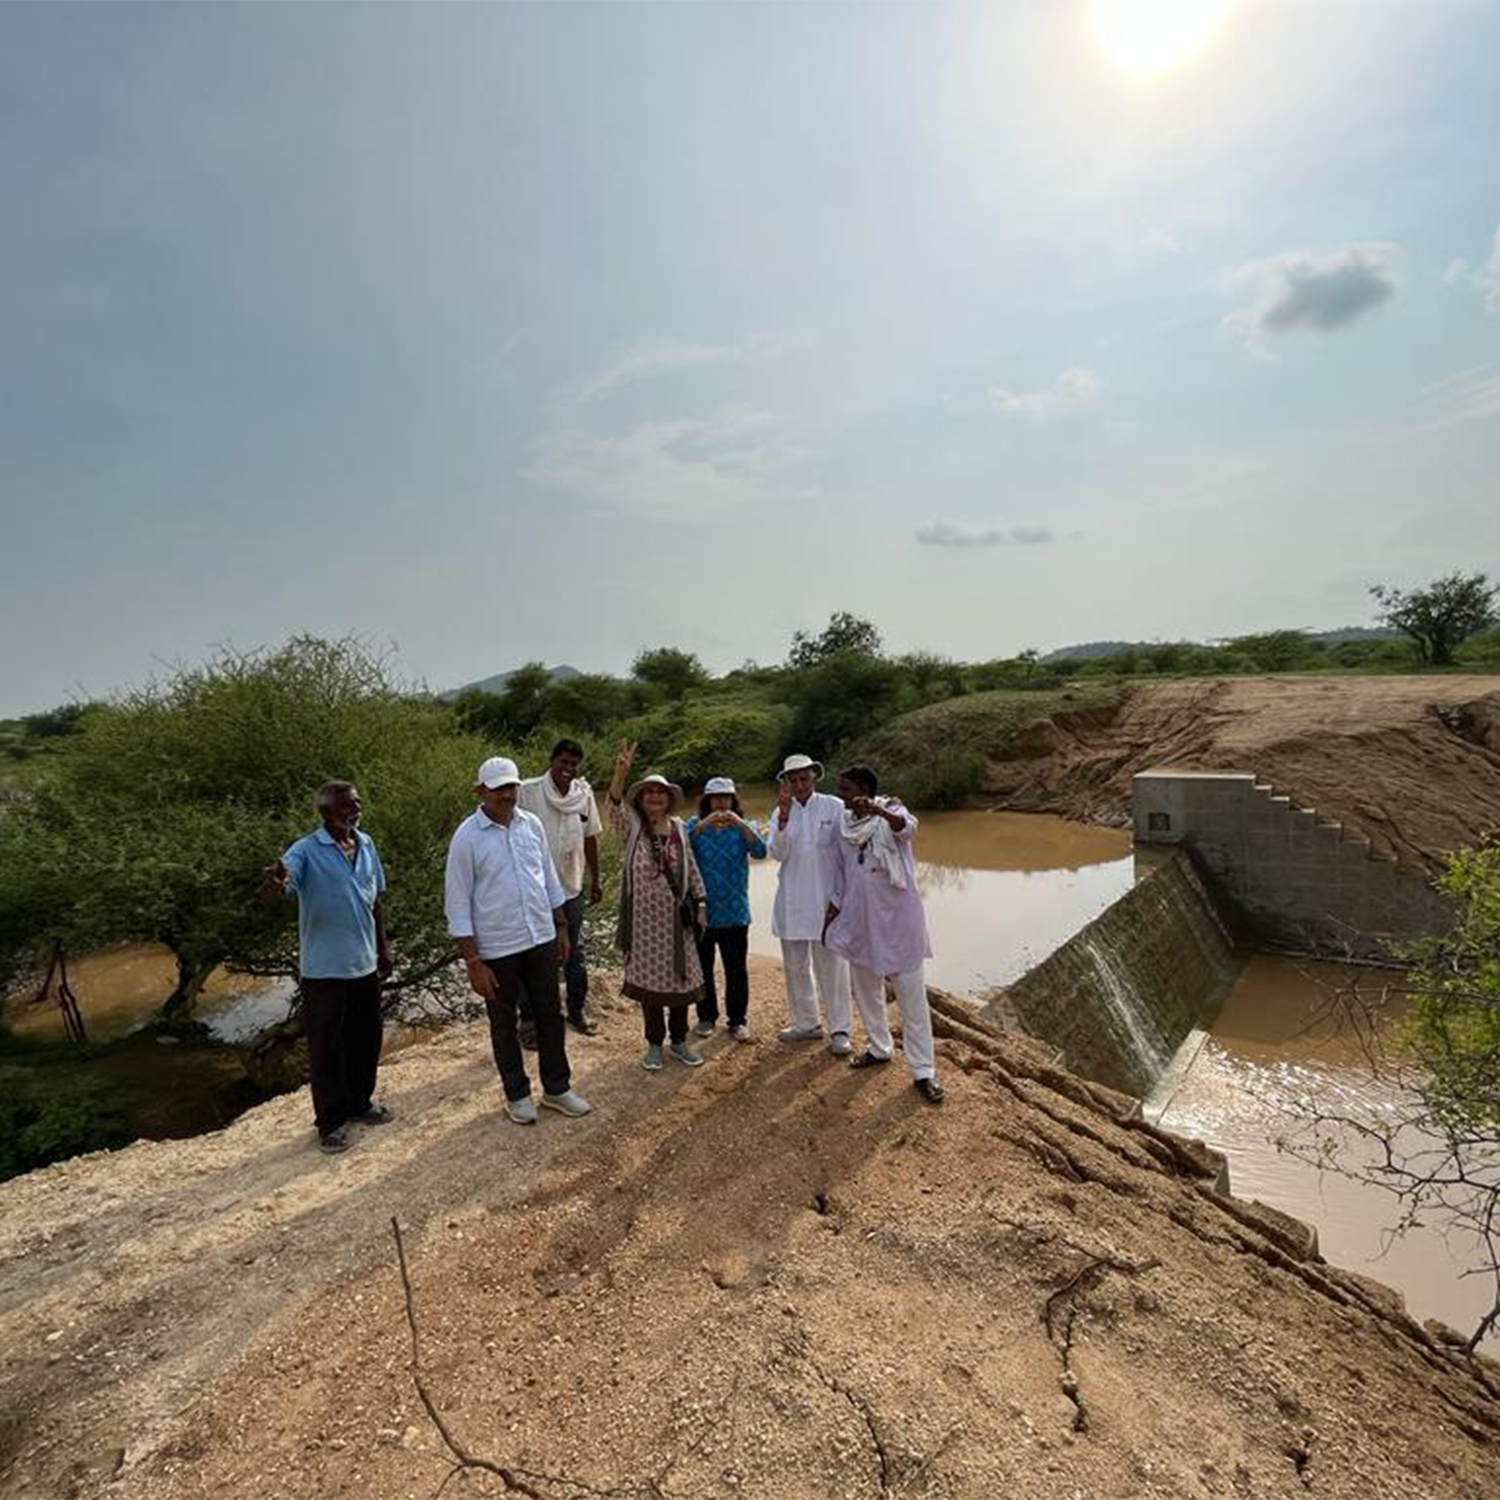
(1322,292)
(1071,390)
(1160,242)
(960,534)
(1486,280)
(675,469)
(653,360)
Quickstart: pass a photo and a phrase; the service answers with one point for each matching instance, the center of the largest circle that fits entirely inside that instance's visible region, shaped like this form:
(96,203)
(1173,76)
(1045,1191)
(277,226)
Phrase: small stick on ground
(464,1459)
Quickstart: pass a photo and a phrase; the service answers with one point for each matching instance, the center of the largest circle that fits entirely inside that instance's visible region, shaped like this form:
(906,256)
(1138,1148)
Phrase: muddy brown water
(1281,1045)
(119,990)
(1002,890)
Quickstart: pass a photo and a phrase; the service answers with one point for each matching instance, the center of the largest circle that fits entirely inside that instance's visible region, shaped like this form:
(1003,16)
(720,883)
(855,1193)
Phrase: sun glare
(1150,36)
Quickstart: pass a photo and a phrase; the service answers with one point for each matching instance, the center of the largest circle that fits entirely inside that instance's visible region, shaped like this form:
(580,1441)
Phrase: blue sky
(503,332)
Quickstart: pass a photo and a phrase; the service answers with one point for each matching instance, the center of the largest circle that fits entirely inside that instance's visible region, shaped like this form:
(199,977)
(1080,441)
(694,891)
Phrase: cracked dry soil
(770,1276)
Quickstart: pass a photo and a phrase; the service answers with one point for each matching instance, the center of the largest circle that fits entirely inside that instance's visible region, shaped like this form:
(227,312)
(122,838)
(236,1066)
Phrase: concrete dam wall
(1119,997)
(1295,880)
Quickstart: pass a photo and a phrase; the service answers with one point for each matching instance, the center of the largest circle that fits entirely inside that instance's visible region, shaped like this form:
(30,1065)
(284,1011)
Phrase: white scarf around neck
(572,805)
(877,839)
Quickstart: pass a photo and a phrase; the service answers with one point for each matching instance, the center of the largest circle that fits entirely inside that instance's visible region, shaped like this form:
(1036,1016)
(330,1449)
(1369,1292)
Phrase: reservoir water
(1002,890)
(1281,1044)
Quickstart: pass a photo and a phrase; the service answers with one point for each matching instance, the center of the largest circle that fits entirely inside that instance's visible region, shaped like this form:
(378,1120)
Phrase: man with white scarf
(564,802)
(803,827)
(875,919)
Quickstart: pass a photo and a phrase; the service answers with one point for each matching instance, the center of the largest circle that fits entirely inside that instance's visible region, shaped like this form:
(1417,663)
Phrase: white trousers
(800,961)
(916,1018)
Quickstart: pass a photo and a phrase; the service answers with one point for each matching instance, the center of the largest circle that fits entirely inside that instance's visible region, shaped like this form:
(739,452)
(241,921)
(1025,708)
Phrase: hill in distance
(1092,649)
(496,684)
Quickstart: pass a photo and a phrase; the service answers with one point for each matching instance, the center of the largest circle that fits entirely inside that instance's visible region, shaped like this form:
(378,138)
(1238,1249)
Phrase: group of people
(523,868)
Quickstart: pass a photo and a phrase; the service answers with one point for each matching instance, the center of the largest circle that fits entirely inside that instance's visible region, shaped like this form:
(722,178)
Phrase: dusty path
(1412,762)
(771,1276)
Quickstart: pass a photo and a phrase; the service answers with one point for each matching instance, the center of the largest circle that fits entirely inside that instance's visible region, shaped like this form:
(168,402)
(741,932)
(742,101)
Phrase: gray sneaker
(740,1033)
(840,1045)
(704,1028)
(651,1062)
(684,1054)
(799,1033)
(522,1111)
(570,1104)
(334,1141)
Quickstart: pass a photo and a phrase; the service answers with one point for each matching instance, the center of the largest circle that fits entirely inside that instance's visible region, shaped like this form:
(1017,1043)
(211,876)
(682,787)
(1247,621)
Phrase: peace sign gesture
(624,759)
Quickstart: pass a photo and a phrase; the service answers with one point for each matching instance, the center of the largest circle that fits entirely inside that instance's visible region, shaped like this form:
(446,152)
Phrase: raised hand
(625,755)
(273,881)
(783,803)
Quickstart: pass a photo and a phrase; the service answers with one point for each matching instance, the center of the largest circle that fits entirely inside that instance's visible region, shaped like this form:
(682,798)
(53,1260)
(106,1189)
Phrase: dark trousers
(733,944)
(342,1020)
(536,970)
(575,971)
(657,1018)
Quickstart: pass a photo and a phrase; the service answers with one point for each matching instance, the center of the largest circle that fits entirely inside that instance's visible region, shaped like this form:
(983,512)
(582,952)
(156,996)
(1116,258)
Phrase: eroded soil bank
(1412,762)
(771,1276)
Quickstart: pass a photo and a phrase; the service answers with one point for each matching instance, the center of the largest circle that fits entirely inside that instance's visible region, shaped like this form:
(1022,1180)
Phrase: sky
(554,331)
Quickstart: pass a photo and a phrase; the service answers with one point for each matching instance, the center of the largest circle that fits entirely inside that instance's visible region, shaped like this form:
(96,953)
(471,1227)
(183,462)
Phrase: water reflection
(123,989)
(1002,890)
(1280,1056)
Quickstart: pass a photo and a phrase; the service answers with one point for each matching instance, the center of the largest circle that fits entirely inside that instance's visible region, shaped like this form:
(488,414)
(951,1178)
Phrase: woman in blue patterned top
(723,845)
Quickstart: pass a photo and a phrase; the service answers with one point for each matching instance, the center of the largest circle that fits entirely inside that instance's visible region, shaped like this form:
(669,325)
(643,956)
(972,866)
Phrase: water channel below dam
(1002,892)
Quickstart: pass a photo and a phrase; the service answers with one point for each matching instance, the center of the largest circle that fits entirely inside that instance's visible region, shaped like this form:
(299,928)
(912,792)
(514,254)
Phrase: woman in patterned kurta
(660,887)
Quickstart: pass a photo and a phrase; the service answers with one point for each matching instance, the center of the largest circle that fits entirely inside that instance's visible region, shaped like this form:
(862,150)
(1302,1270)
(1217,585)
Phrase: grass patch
(935,757)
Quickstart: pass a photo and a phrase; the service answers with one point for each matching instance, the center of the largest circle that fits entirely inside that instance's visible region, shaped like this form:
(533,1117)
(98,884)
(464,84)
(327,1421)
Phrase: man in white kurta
(875,919)
(803,825)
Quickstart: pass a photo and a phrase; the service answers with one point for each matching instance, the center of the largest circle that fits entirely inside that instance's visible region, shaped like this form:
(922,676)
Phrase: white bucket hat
(497,771)
(720,785)
(671,788)
(800,763)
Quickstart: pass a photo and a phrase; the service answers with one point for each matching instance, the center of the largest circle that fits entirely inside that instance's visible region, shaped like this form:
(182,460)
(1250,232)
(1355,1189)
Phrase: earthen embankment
(1412,763)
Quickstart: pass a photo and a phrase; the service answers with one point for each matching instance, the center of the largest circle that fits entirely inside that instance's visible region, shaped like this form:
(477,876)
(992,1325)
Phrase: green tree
(1275,650)
(841,698)
(1439,618)
(591,702)
(674,672)
(154,820)
(844,635)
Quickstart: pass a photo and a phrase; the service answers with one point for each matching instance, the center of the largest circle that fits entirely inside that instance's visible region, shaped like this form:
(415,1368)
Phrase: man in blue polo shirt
(336,877)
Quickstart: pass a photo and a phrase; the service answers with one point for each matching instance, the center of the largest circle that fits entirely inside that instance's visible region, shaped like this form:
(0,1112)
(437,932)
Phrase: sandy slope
(1412,762)
(771,1276)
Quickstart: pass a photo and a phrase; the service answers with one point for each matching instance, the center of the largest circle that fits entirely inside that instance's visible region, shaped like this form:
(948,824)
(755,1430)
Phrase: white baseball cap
(719,784)
(497,771)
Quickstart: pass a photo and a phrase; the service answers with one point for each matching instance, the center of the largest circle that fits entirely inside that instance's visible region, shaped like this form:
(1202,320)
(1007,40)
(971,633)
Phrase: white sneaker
(522,1111)
(704,1028)
(570,1104)
(799,1033)
(840,1045)
(740,1033)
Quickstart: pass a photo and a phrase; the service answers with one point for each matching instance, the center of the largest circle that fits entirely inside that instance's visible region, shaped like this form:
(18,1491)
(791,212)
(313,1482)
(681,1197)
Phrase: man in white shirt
(803,828)
(564,803)
(505,911)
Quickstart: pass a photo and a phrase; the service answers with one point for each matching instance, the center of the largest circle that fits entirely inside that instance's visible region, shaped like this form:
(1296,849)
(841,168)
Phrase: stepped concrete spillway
(1295,880)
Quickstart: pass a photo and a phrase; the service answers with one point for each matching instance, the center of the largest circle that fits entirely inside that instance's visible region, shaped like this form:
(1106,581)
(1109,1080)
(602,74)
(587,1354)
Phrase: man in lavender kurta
(875,920)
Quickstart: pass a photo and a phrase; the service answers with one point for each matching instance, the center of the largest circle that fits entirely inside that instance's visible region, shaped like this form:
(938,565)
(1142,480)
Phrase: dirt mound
(1412,762)
(771,1276)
